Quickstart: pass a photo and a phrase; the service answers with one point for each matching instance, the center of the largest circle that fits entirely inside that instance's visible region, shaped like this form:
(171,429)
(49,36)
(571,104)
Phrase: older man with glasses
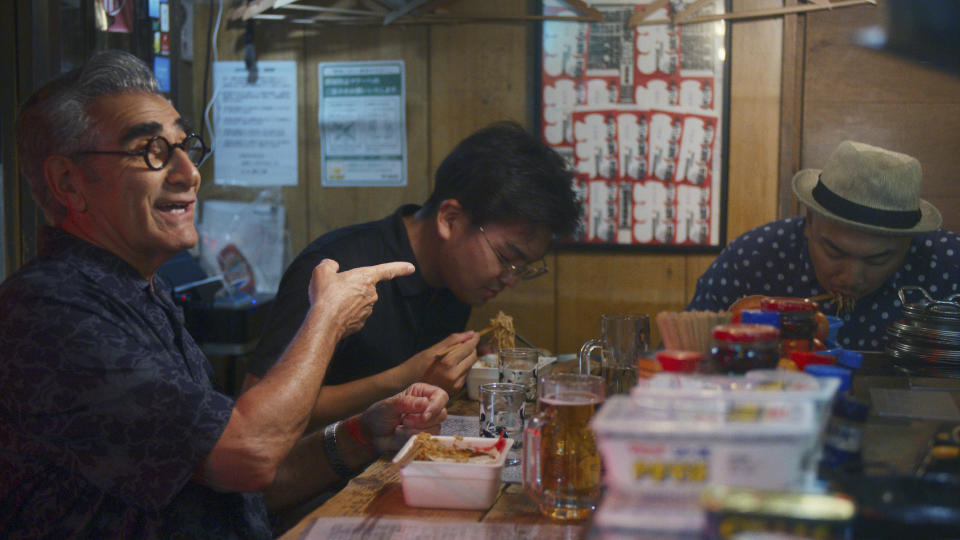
(499,198)
(109,424)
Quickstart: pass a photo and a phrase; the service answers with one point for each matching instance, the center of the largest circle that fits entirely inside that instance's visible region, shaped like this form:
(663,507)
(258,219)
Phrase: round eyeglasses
(158,151)
(523,271)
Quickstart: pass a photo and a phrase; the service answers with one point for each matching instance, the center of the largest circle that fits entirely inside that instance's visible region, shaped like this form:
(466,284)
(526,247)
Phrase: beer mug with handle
(624,338)
(561,463)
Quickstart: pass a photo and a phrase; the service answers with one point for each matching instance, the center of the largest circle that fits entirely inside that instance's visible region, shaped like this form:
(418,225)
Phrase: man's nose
(508,278)
(182,169)
(850,275)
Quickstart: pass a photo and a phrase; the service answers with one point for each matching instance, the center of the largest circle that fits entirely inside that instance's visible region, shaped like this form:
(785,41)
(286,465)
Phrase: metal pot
(928,334)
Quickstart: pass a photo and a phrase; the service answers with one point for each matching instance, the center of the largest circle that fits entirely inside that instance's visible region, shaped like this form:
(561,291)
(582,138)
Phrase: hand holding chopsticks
(449,349)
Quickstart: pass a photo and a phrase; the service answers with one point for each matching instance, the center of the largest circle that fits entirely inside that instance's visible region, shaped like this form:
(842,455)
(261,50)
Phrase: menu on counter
(382,528)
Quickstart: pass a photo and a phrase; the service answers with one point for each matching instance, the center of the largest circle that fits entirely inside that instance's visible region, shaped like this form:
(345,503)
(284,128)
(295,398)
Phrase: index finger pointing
(391,270)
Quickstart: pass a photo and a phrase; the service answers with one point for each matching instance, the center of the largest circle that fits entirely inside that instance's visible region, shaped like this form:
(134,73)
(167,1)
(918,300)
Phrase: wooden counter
(898,441)
(377,493)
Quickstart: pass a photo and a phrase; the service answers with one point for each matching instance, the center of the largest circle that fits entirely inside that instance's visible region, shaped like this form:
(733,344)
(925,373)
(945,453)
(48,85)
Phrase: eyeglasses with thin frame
(523,271)
(158,151)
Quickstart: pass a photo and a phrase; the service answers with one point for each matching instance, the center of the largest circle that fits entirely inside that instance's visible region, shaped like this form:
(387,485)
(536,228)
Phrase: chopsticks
(410,455)
(447,351)
(820,297)
(524,340)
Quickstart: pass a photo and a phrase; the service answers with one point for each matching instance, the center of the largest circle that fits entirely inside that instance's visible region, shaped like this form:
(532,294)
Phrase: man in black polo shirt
(500,197)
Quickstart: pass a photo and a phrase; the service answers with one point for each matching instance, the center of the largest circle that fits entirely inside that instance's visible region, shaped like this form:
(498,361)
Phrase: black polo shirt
(409,315)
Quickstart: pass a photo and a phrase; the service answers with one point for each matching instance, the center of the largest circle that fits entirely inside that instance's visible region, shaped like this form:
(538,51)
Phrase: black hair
(503,174)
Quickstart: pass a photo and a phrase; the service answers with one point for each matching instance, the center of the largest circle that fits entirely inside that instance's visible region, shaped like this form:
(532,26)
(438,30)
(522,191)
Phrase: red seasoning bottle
(798,324)
(738,348)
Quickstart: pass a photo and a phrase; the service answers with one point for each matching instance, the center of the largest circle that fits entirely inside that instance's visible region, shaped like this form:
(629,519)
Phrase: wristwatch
(333,455)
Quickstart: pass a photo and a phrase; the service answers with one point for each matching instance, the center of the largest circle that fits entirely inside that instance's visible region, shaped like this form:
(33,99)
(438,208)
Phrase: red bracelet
(355,430)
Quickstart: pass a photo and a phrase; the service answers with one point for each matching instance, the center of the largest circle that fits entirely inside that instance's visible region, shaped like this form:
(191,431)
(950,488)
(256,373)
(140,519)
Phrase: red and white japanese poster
(639,113)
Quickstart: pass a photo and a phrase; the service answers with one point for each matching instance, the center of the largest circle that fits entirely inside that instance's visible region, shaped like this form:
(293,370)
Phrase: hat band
(892,219)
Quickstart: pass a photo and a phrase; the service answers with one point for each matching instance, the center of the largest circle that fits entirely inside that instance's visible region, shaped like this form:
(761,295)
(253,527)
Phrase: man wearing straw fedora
(866,234)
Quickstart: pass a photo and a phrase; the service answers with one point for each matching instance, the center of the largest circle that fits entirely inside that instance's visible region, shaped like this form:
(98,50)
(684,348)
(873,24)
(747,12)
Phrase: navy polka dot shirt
(772,260)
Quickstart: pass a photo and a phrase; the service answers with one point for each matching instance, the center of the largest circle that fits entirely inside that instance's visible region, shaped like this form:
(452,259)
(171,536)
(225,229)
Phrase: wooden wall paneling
(752,182)
(479,75)
(592,284)
(461,77)
(272,42)
(856,93)
(295,197)
(696,266)
(334,207)
(791,111)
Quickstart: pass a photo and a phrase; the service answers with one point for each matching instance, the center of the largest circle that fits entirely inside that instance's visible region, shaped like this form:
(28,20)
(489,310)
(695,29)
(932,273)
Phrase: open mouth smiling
(174,207)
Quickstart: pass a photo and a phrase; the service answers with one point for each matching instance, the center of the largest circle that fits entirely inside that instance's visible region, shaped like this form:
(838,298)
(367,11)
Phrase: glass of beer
(561,464)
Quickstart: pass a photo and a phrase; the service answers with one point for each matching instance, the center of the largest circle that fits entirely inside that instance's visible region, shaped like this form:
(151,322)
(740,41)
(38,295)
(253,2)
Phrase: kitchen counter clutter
(905,488)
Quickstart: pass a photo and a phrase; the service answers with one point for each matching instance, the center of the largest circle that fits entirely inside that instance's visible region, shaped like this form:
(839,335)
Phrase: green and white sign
(362,123)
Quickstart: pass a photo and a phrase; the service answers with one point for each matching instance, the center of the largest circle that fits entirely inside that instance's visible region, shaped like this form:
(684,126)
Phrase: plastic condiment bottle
(843,440)
(755,316)
(677,361)
(802,359)
(738,348)
(798,324)
(824,370)
(849,359)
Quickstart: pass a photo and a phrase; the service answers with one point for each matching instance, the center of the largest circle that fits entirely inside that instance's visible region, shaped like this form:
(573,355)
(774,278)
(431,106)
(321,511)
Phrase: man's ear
(62,177)
(808,224)
(450,218)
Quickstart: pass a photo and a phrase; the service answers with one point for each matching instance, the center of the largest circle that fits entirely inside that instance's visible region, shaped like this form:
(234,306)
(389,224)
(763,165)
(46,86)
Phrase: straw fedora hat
(868,188)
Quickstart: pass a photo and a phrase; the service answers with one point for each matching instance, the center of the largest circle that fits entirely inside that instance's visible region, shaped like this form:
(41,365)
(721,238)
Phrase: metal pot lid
(930,311)
(926,355)
(902,330)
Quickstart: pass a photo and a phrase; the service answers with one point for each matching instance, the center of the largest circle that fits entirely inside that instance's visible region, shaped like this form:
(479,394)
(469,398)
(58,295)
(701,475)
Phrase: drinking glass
(502,413)
(624,338)
(518,365)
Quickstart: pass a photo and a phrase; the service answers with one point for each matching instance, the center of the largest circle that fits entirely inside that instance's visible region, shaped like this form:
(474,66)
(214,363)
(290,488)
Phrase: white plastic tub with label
(443,484)
(677,446)
(687,391)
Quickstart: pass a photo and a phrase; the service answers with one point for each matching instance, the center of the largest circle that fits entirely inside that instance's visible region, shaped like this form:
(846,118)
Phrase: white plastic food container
(485,370)
(477,376)
(757,386)
(762,385)
(678,447)
(442,484)
(622,517)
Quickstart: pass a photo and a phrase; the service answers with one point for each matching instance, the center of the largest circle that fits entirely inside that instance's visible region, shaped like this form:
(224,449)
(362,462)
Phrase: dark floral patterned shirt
(773,260)
(106,407)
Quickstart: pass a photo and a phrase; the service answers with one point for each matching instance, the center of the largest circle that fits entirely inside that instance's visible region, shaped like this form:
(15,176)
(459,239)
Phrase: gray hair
(55,119)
